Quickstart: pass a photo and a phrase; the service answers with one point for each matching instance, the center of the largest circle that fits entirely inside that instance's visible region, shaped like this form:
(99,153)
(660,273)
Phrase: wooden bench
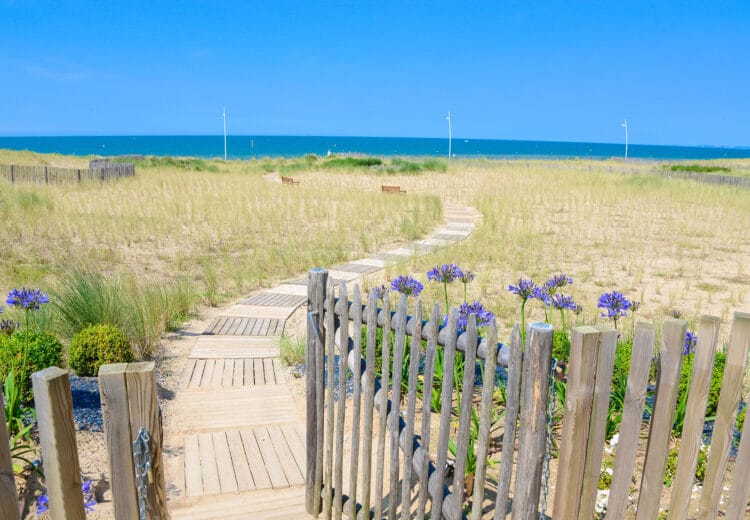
(391,189)
(288,180)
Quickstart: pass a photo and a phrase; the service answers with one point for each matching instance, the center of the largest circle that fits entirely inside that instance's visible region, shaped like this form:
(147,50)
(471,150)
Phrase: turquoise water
(244,147)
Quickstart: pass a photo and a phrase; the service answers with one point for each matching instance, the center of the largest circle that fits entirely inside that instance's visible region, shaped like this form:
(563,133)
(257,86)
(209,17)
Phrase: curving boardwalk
(241,436)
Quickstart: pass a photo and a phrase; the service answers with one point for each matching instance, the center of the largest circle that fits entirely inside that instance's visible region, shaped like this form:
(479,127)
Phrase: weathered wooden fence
(98,170)
(393,463)
(129,408)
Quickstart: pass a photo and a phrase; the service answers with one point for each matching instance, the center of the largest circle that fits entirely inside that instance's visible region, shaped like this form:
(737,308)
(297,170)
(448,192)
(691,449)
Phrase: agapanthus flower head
(467,277)
(561,301)
(577,310)
(42,504)
(634,306)
(558,281)
(542,293)
(8,327)
(614,305)
(89,500)
(28,299)
(446,273)
(484,317)
(675,313)
(690,341)
(407,285)
(524,288)
(380,291)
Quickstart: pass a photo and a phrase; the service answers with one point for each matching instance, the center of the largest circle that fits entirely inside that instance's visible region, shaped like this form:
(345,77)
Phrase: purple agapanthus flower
(380,292)
(542,293)
(445,273)
(614,304)
(524,289)
(42,504)
(467,277)
(690,341)
(89,501)
(558,281)
(577,310)
(407,285)
(634,306)
(28,299)
(8,327)
(561,301)
(484,317)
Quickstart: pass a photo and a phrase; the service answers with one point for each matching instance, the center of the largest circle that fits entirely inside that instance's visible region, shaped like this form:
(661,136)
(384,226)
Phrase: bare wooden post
(54,407)
(8,504)
(46,175)
(657,450)
(316,290)
(579,400)
(12,173)
(726,412)
(532,437)
(129,403)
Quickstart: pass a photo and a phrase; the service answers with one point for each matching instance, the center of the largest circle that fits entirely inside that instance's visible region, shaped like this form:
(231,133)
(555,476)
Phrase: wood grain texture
(740,486)
(371,315)
(338,467)
(235,347)
(632,418)
(411,407)
(54,408)
(399,344)
(330,325)
(383,414)
(355,364)
(692,429)
(8,504)
(726,412)
(657,450)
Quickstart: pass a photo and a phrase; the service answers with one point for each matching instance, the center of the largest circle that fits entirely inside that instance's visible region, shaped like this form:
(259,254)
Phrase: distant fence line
(710,178)
(98,170)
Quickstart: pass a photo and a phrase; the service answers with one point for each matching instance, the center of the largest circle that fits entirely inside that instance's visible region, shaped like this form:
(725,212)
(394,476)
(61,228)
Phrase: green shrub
(434,165)
(98,345)
(561,346)
(42,350)
(699,168)
(352,162)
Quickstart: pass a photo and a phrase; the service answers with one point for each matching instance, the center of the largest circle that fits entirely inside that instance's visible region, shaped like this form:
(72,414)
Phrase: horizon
(550,70)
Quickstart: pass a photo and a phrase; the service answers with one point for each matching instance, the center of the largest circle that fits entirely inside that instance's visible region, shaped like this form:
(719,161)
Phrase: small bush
(352,162)
(42,350)
(699,168)
(434,165)
(98,345)
(293,351)
(561,346)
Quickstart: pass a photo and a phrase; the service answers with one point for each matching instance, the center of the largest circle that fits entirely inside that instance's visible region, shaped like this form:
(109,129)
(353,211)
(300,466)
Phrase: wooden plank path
(236,428)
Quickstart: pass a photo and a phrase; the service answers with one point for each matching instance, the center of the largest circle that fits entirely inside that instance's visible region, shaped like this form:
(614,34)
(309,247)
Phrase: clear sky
(679,71)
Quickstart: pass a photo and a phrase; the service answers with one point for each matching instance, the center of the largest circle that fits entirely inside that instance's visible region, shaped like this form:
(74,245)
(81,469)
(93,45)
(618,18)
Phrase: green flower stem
(445,287)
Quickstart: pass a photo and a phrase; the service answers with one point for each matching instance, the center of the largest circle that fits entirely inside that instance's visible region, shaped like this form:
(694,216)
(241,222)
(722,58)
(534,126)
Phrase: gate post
(316,295)
(8,504)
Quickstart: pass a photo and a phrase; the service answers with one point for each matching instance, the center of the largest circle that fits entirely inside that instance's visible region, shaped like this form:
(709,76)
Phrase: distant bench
(391,189)
(288,180)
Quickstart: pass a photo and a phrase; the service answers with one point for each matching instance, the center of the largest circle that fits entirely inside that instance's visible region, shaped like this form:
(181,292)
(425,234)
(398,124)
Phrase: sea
(248,147)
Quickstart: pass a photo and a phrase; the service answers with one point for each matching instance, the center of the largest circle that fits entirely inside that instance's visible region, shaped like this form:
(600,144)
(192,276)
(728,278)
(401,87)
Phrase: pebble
(87,406)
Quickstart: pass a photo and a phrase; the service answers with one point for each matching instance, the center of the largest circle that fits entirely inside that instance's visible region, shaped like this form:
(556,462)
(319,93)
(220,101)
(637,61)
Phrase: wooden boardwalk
(237,431)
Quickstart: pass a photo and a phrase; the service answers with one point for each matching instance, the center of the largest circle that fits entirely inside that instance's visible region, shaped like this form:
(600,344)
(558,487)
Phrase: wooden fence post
(129,403)
(8,504)
(531,440)
(54,408)
(316,293)
(12,173)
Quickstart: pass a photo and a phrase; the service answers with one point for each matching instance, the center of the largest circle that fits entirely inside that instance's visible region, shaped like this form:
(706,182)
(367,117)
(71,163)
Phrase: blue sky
(570,71)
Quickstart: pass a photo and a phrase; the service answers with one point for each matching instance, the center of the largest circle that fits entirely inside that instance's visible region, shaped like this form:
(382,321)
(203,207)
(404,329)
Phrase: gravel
(87,406)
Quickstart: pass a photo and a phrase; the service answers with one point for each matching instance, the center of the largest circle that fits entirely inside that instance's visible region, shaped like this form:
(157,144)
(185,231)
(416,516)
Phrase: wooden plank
(255,460)
(264,326)
(441,456)
(670,362)
(209,471)
(632,418)
(237,323)
(344,275)
(268,371)
(429,376)
(485,422)
(513,396)
(270,458)
(295,440)
(213,373)
(288,288)
(355,363)
(383,413)
(598,427)
(8,503)
(116,421)
(286,458)
(192,467)
(235,347)
(195,381)
(240,464)
(371,315)
(330,327)
(579,399)
(260,311)
(692,429)
(227,478)
(411,406)
(278,371)
(464,419)
(726,412)
(533,424)
(259,376)
(228,376)
(224,330)
(249,372)
(143,406)
(740,487)
(238,378)
(338,464)
(277,504)
(399,342)
(57,438)
(188,373)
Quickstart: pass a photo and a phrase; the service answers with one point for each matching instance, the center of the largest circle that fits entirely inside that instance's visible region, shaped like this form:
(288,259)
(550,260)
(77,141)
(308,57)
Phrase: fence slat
(485,422)
(738,494)
(632,418)
(399,342)
(62,472)
(338,470)
(726,411)
(533,425)
(316,287)
(429,376)
(446,397)
(330,327)
(385,368)
(356,357)
(411,405)
(8,504)
(657,450)
(692,429)
(369,383)
(513,396)
(598,429)
(579,400)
